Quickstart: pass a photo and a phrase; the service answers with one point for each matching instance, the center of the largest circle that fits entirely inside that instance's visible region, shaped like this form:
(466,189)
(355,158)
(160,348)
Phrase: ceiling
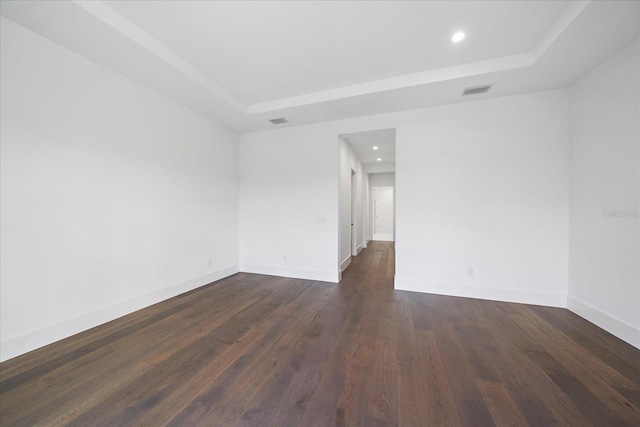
(264,51)
(242,63)
(362,144)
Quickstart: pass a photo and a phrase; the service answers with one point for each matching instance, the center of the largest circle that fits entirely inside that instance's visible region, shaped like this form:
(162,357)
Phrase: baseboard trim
(323,276)
(39,338)
(360,248)
(606,321)
(345,263)
(493,294)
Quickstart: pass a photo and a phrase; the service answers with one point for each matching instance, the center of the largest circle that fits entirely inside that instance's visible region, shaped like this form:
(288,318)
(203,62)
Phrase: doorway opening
(367,192)
(383,213)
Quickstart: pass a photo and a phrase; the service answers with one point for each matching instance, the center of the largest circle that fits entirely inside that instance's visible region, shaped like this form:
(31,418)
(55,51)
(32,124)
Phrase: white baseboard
(38,338)
(360,248)
(494,294)
(606,321)
(345,263)
(323,276)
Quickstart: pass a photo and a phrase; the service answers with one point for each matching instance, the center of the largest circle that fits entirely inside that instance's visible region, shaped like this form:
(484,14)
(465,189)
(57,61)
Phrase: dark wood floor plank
(181,365)
(413,407)
(323,405)
(383,399)
(583,373)
(585,401)
(467,397)
(594,333)
(214,395)
(146,345)
(37,371)
(254,350)
(421,313)
(538,398)
(39,356)
(629,368)
(503,409)
(270,377)
(188,390)
(352,405)
(115,364)
(242,367)
(480,350)
(275,383)
(294,401)
(574,350)
(434,383)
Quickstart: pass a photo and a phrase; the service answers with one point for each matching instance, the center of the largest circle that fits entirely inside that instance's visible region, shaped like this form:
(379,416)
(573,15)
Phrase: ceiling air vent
(476,89)
(278,121)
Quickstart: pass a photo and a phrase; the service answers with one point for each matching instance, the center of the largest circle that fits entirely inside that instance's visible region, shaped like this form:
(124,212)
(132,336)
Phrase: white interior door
(383,211)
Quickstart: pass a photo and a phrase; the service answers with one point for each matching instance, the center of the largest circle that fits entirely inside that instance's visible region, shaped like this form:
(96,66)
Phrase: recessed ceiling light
(457,37)
(375,148)
(379,159)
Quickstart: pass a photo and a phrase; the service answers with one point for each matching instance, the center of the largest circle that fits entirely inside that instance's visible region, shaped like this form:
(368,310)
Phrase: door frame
(354,217)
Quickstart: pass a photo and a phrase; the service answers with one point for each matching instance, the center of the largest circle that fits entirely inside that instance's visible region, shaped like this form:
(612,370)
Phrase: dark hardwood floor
(257,350)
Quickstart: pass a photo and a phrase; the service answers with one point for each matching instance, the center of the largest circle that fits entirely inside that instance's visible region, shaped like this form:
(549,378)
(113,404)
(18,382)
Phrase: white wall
(604,277)
(363,200)
(481,184)
(113,197)
(350,162)
(382,179)
(380,168)
(485,186)
(379,180)
(289,203)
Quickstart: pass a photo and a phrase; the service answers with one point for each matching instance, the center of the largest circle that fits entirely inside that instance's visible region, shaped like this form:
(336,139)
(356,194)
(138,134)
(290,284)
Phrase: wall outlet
(210,262)
(284,257)
(470,271)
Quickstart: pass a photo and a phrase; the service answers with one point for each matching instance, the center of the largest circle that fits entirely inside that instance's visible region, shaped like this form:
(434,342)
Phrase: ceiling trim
(130,30)
(559,27)
(503,63)
(399,82)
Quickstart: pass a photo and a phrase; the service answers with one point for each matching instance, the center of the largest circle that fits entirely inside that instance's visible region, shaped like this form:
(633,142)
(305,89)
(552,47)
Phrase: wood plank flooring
(255,350)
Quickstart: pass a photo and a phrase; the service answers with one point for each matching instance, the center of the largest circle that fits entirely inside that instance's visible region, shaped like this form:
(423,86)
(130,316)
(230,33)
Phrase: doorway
(366,160)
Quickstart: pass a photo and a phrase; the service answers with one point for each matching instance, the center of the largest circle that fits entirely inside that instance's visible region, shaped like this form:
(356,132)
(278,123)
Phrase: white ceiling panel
(363,143)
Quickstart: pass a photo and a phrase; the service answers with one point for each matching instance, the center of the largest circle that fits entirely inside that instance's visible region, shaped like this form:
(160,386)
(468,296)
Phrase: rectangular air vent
(278,121)
(476,89)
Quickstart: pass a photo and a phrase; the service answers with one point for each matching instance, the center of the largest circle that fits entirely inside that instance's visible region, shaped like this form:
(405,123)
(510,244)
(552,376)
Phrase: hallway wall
(349,162)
